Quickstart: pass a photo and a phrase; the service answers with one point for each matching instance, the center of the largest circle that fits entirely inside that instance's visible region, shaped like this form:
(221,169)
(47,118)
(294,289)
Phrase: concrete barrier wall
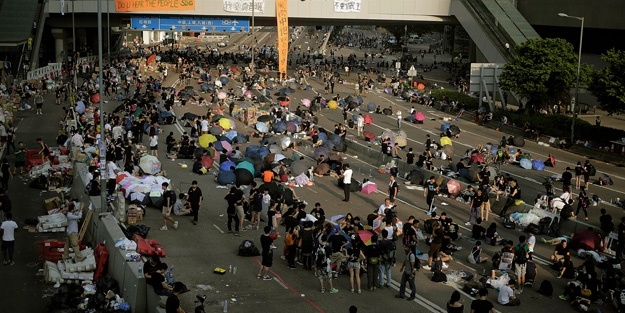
(374,155)
(103,228)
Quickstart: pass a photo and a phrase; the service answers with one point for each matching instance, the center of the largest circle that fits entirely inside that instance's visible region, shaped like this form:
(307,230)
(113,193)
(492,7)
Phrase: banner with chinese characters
(154,5)
(282,17)
(243,6)
(346,6)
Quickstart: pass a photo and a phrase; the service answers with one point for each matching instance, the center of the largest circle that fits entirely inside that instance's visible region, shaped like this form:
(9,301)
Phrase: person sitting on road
(182,206)
(560,251)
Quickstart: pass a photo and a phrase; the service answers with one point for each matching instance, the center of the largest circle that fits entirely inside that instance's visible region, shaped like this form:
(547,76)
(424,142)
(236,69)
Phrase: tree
(543,72)
(608,84)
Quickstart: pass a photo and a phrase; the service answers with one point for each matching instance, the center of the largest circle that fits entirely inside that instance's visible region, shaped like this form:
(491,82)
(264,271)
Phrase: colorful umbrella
(207,162)
(453,187)
(365,237)
(205,139)
(151,59)
(226,145)
(222,95)
(284,101)
(225,123)
(445,141)
(262,127)
(333,105)
(227,166)
(306,102)
(247,94)
(95,98)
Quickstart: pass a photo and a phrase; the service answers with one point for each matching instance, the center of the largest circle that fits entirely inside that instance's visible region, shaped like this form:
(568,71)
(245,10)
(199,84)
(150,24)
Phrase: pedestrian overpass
(491,23)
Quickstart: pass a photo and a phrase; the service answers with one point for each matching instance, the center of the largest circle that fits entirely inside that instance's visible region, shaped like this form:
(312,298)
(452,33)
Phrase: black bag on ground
(140,229)
(546,288)
(533,228)
(543,225)
(247,248)
(40,182)
(508,223)
(554,229)
(439,277)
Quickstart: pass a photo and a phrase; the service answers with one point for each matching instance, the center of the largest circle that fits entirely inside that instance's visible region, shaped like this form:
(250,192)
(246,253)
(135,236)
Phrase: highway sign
(190,23)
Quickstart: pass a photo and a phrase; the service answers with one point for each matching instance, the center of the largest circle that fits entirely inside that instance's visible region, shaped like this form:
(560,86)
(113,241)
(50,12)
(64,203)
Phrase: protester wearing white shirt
(9,227)
(347,181)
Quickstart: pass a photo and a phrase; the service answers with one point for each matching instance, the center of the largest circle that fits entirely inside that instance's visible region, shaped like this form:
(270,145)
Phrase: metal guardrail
(51,71)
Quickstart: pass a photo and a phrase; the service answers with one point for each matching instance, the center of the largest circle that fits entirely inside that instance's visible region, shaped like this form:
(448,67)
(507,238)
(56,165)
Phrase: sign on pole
(190,23)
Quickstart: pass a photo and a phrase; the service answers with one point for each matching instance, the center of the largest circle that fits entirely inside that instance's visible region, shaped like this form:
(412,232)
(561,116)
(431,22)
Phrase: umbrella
(445,141)
(369,135)
(224,79)
(262,127)
(247,94)
(322,169)
(240,138)
(291,127)
(337,218)
(587,240)
(243,176)
(151,58)
(453,187)
(278,157)
(231,134)
(420,87)
(401,141)
(150,164)
(227,166)
(226,178)
(445,126)
(538,165)
(552,160)
(526,164)
(284,101)
(275,149)
(518,141)
(448,150)
(286,90)
(80,107)
(285,142)
(246,166)
(371,106)
(454,130)
(368,119)
(207,162)
(225,123)
(420,117)
(211,87)
(225,145)
(369,188)
(306,102)
(222,95)
(333,105)
(298,167)
(265,118)
(416,177)
(321,151)
(477,158)
(357,100)
(279,127)
(215,130)
(120,177)
(269,158)
(365,237)
(95,98)
(205,139)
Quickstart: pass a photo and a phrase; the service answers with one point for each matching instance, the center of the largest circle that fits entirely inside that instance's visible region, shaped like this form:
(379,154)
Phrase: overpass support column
(59,44)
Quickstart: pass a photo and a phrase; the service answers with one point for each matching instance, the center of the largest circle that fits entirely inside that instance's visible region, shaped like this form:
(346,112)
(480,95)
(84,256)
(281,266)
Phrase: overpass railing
(51,71)
(497,35)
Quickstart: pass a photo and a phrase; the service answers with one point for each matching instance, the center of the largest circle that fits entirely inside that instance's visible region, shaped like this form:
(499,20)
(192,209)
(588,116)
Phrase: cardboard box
(52,203)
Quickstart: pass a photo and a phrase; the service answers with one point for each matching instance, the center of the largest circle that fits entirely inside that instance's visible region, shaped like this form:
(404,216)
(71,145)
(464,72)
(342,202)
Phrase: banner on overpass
(347,6)
(282,16)
(154,5)
(244,6)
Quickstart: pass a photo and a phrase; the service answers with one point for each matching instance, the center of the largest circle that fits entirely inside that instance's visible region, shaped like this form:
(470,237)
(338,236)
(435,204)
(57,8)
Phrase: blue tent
(246,166)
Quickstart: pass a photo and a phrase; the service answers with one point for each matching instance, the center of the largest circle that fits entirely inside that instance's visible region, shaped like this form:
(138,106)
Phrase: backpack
(592,171)
(247,248)
(546,289)
(390,249)
(520,255)
(91,187)
(321,258)
(439,277)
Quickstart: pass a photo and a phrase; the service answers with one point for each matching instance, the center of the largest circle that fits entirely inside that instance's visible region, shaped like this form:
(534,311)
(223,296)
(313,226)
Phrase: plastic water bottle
(234,270)
(140,271)
(230,269)
(226,305)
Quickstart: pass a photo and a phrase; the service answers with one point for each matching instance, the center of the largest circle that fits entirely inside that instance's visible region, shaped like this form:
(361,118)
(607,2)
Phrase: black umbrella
(287,90)
(265,118)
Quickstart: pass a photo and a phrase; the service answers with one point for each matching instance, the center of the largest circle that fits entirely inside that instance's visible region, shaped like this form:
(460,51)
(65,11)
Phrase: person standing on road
(347,181)
(393,188)
(195,200)
(9,227)
(566,178)
(398,114)
(429,192)
(38,102)
(408,274)
(20,158)
(482,305)
(74,214)
(233,197)
(373,254)
(267,256)
(583,202)
(513,195)
(579,170)
(5,169)
(169,198)
(360,124)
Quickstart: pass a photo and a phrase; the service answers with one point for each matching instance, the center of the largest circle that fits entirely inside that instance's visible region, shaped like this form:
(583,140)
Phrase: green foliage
(470,103)
(608,84)
(543,71)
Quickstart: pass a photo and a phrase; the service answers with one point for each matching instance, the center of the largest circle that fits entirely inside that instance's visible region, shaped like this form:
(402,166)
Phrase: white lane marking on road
(219,229)
(420,300)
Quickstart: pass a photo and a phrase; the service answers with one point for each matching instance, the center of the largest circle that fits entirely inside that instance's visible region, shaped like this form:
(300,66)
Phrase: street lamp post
(102,147)
(253,34)
(579,63)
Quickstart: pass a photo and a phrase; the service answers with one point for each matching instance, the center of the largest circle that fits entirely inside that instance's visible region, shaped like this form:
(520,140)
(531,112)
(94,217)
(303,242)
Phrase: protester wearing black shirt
(482,305)
(173,303)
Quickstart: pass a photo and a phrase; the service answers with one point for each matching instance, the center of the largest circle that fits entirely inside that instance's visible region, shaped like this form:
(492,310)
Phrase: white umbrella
(150,164)
(278,157)
(222,95)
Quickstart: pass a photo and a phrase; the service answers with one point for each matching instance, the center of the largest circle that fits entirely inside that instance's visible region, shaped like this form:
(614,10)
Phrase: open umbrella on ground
(286,91)
(477,158)
(454,130)
(416,177)
(586,239)
(371,106)
(323,137)
(298,167)
(225,145)
(279,127)
(205,139)
(275,149)
(321,151)
(333,105)
(262,127)
(278,157)
(284,101)
(551,161)
(285,142)
(369,136)
(538,165)
(243,177)
(445,141)
(265,118)
(207,162)
(365,237)
(222,95)
(368,119)
(226,178)
(518,141)
(227,166)
(322,169)
(291,127)
(453,187)
(231,134)
(445,126)
(248,94)
(240,138)
(306,102)
(224,79)
(95,98)
(246,165)
(526,164)
(419,117)
(225,123)
(215,130)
